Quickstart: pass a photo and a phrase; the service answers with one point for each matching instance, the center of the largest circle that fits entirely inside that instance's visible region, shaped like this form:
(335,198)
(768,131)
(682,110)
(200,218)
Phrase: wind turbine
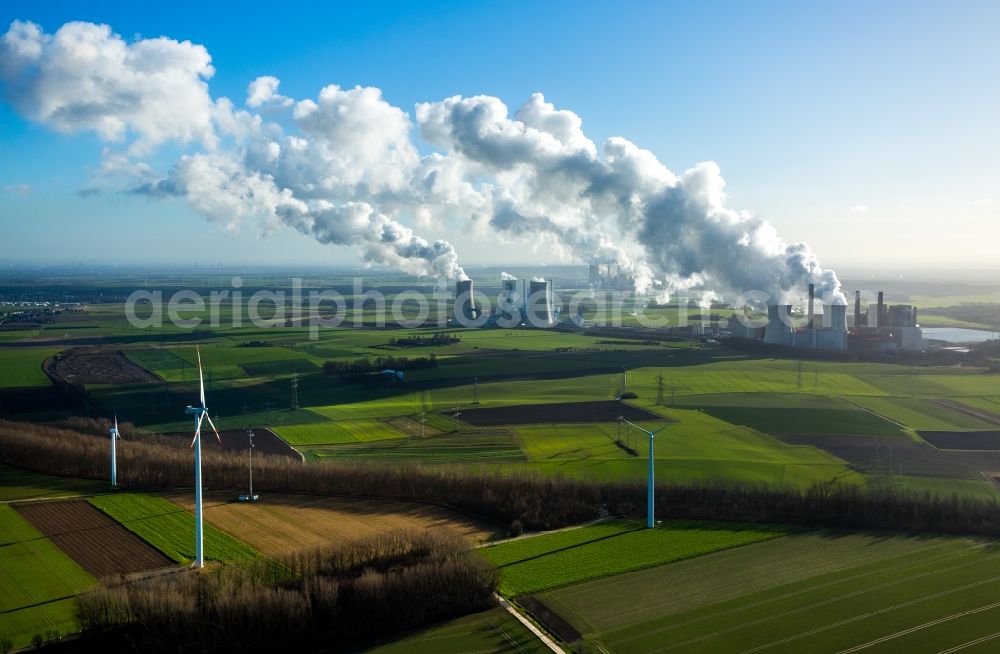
(200,413)
(114,455)
(650,500)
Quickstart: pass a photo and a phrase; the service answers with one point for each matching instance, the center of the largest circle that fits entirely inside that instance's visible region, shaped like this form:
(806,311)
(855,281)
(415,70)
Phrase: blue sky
(867,129)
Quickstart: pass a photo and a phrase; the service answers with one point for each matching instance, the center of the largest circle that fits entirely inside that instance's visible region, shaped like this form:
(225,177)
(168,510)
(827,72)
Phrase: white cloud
(84,77)
(860,209)
(264,91)
(343,168)
(22,190)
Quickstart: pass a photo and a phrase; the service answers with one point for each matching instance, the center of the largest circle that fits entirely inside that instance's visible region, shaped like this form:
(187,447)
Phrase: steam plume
(342,167)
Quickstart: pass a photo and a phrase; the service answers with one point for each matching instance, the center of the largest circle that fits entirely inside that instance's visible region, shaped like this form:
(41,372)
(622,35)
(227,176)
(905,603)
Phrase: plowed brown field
(91,538)
(280,524)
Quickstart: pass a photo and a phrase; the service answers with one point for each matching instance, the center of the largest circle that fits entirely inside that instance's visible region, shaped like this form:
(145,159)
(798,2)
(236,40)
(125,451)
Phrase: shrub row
(328,599)
(538,501)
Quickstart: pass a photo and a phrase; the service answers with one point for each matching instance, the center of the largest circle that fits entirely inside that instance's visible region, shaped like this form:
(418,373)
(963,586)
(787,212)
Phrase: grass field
(37,583)
(280,524)
(695,446)
(559,442)
(336,432)
(922,413)
(608,548)
(494,632)
(803,592)
(22,367)
(16,484)
(170,529)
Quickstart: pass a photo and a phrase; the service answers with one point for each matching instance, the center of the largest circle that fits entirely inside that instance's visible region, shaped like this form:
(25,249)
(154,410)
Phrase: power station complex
(880,328)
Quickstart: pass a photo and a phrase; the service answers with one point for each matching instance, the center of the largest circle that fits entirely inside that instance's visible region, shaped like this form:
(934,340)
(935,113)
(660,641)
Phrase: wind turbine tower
(650,499)
(200,414)
(114,453)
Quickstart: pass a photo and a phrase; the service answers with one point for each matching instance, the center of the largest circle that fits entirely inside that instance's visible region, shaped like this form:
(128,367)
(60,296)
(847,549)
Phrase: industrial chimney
(880,311)
(857,310)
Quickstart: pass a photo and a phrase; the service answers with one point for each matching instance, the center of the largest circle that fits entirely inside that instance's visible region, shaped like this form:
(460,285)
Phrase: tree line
(538,501)
(327,599)
(362,370)
(438,338)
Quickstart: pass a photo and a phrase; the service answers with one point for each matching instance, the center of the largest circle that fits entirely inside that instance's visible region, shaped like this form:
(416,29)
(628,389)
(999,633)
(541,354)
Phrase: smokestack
(880,311)
(857,310)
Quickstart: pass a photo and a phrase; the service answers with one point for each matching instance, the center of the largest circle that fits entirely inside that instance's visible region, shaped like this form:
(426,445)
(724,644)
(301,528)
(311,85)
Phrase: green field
(811,592)
(495,631)
(807,421)
(223,362)
(725,404)
(37,583)
(17,484)
(565,557)
(920,413)
(336,432)
(696,446)
(568,442)
(170,528)
(466,447)
(22,367)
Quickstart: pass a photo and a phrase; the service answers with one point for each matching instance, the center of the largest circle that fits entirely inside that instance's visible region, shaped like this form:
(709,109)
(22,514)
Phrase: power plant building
(829,333)
(609,276)
(533,299)
(883,327)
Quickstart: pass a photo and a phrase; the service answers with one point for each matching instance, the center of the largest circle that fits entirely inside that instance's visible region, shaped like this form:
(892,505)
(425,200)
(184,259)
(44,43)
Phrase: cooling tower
(465,308)
(811,315)
(838,317)
(777,331)
(539,303)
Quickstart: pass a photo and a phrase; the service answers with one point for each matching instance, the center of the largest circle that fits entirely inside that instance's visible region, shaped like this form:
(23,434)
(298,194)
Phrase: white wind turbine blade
(201,377)
(197,430)
(659,430)
(217,437)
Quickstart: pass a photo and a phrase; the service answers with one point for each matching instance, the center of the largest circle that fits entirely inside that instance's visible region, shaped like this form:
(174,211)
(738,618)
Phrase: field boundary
(548,642)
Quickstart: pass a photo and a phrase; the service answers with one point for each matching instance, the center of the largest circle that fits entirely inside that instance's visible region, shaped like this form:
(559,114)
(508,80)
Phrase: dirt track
(100,545)
(566,412)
